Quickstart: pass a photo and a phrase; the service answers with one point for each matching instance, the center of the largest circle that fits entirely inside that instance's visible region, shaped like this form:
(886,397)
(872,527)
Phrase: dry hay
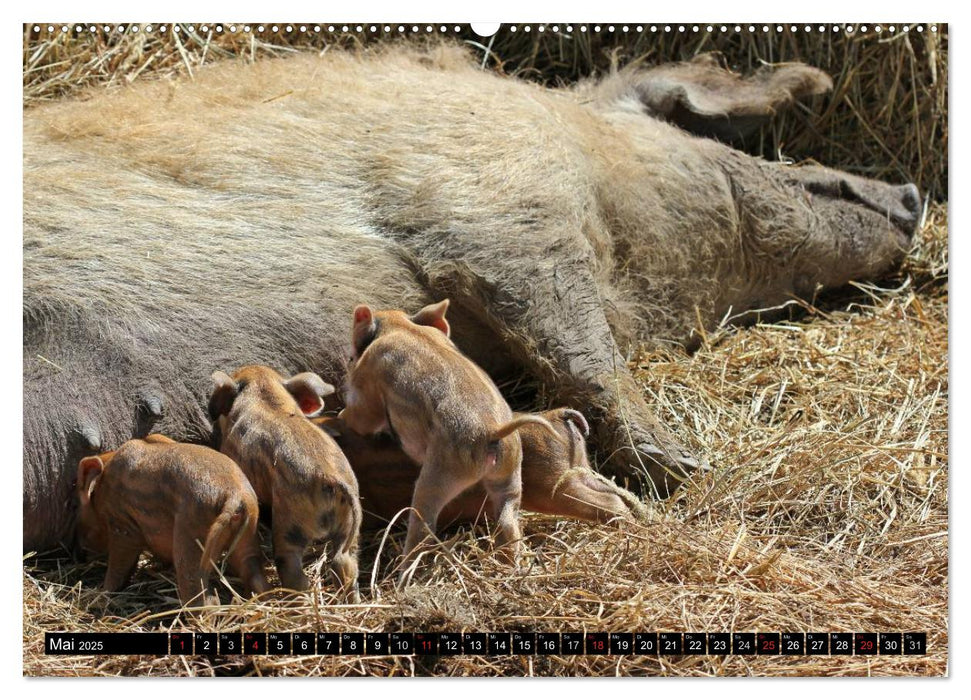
(827,508)
(827,511)
(886,117)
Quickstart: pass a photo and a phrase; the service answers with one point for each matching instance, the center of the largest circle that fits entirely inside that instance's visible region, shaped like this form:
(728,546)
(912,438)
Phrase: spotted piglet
(297,471)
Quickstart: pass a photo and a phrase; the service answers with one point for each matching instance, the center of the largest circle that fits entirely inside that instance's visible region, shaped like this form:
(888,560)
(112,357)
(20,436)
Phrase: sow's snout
(901,205)
(907,216)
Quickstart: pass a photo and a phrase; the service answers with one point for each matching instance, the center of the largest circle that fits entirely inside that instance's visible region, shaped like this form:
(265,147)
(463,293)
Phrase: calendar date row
(488,643)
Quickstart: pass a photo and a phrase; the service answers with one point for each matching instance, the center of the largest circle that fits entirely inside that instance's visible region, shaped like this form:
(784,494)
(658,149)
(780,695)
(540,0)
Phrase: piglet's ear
(576,418)
(90,470)
(309,390)
(362,314)
(434,315)
(224,392)
(364,331)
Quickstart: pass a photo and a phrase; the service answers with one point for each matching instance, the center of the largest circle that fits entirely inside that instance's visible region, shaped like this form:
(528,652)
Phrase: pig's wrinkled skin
(171,228)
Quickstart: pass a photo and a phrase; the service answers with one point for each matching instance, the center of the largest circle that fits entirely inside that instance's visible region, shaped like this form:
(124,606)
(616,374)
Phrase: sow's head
(876,220)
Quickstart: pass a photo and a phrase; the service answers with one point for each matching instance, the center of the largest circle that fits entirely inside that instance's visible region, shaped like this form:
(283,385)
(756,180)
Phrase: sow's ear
(309,390)
(706,99)
(224,392)
(434,315)
(90,470)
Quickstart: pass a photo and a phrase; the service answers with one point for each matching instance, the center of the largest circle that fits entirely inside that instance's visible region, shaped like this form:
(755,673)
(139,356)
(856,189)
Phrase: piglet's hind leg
(343,567)
(504,500)
(191,573)
(437,485)
(289,542)
(246,560)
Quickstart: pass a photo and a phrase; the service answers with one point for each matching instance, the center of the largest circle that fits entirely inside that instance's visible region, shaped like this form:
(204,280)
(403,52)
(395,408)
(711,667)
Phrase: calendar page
(448,349)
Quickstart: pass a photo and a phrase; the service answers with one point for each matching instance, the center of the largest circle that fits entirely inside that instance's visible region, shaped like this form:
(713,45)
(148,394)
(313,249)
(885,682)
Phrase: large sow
(172,228)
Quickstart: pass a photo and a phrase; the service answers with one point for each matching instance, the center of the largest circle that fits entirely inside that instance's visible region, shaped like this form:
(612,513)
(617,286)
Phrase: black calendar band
(487,643)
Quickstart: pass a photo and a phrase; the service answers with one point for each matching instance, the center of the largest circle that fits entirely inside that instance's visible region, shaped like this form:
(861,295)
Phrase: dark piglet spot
(296,537)
(326,521)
